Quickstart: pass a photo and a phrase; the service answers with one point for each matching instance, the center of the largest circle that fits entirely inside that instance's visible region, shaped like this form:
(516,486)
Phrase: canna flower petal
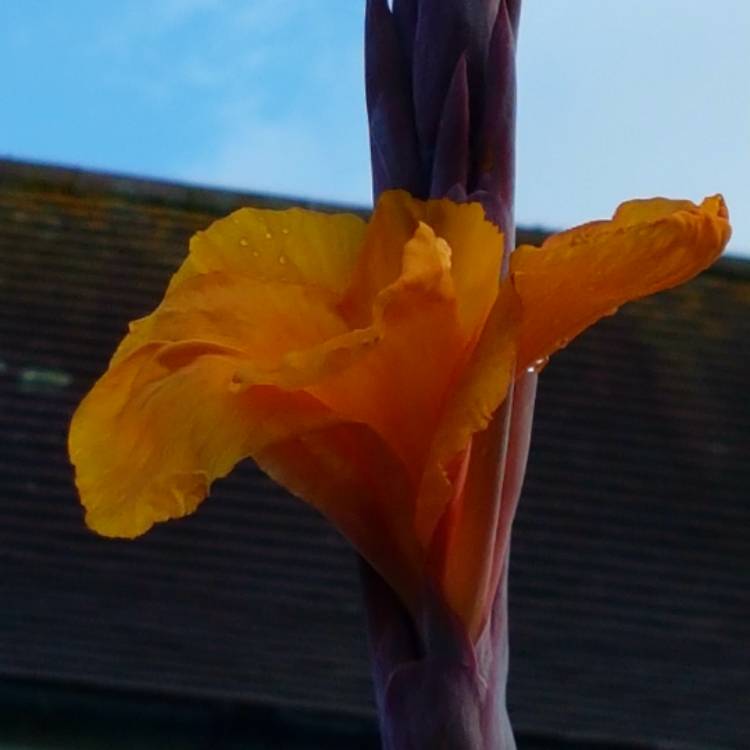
(481,388)
(648,246)
(160,426)
(429,319)
(360,366)
(579,276)
(458,515)
(281,258)
(167,418)
(575,278)
(476,253)
(331,369)
(293,246)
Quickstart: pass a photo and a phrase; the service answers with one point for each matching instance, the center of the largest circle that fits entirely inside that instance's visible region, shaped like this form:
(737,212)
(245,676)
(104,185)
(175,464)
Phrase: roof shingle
(629,608)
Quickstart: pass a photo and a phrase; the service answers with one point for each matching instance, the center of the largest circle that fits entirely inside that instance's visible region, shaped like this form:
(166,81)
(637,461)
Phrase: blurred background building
(241,626)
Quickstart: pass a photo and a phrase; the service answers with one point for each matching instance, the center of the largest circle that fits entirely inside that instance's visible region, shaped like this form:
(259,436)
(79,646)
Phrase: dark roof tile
(631,549)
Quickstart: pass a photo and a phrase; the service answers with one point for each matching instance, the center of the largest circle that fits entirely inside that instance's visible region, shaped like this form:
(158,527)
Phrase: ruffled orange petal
(581,275)
(393,222)
(159,427)
(263,319)
(480,390)
(399,384)
(459,503)
(169,417)
(233,365)
(282,261)
(349,474)
(476,254)
(294,246)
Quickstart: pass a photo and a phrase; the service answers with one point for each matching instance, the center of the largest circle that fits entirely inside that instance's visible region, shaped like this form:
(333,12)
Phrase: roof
(629,571)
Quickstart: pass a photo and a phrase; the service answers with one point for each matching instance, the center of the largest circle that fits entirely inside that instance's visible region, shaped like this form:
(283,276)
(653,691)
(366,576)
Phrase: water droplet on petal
(285,231)
(243,241)
(268,235)
(538,365)
(282,259)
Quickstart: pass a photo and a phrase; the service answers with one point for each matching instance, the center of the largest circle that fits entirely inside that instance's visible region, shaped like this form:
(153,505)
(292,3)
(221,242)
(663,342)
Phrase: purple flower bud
(441,99)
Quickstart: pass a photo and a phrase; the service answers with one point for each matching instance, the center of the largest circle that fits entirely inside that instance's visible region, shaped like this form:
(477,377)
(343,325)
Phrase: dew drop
(538,365)
(243,241)
(282,259)
(268,235)
(255,253)
(285,231)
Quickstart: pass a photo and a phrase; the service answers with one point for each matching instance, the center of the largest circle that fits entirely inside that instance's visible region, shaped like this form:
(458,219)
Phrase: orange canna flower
(358,365)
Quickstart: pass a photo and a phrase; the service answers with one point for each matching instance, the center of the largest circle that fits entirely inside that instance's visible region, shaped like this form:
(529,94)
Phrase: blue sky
(616,99)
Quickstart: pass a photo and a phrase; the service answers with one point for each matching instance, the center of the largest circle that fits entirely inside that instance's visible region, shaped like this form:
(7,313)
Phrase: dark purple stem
(434,686)
(430,693)
(440,79)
